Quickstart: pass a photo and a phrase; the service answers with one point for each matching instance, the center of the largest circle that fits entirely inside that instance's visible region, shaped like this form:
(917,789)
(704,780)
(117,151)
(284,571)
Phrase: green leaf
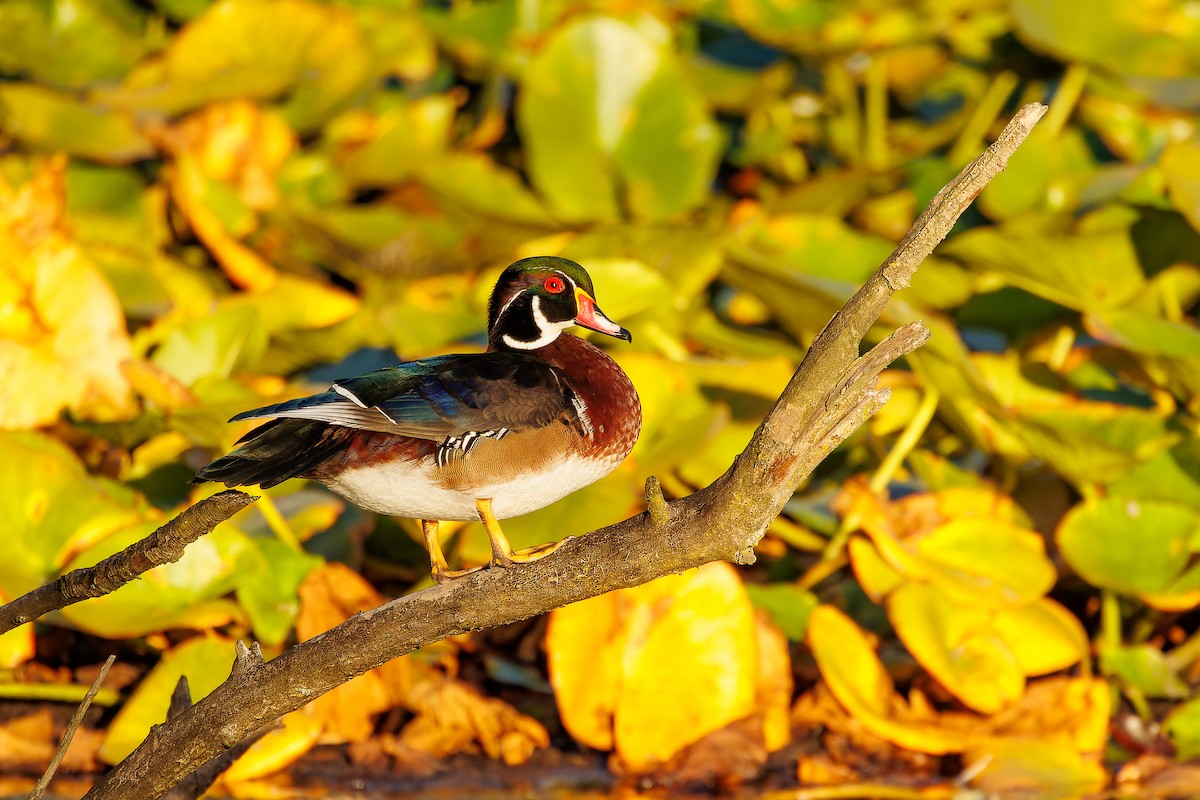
(54,120)
(1091,442)
(269,592)
(1145,669)
(788,605)
(1172,475)
(815,244)
(1144,333)
(50,508)
(1115,35)
(213,346)
(1045,174)
(394,145)
(1129,546)
(316,62)
(1181,171)
(607,115)
(71,43)
(206,661)
(1048,265)
(1183,726)
(184,594)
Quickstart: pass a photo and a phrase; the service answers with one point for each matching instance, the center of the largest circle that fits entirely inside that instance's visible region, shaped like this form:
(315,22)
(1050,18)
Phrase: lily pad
(607,114)
(958,645)
(1130,546)
(50,509)
(185,594)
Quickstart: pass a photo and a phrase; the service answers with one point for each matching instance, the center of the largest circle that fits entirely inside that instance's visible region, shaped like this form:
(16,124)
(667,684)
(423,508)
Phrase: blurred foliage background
(209,206)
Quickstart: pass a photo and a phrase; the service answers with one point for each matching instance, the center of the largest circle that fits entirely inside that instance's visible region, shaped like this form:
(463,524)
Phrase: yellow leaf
(858,680)
(874,574)
(63,331)
(584,670)
(654,669)
(958,646)
(690,663)
(1043,636)
(277,749)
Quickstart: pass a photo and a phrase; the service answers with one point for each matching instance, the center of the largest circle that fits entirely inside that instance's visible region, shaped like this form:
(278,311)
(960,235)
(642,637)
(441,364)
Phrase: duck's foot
(439,570)
(442,575)
(502,553)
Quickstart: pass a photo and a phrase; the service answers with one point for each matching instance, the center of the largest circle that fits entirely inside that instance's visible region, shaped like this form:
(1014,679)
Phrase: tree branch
(163,546)
(831,394)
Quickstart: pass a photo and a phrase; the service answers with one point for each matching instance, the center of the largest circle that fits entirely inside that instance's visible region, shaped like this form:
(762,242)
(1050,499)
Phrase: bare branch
(163,546)
(831,394)
(69,734)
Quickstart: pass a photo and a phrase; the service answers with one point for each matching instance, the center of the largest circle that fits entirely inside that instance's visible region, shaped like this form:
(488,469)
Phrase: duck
(541,413)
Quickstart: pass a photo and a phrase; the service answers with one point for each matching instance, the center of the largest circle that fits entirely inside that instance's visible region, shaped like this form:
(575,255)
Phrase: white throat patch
(548,331)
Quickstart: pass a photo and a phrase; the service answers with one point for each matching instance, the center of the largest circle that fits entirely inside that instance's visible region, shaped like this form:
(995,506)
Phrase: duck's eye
(555,285)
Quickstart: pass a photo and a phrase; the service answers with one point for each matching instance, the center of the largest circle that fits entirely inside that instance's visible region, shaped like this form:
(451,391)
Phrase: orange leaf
(329,595)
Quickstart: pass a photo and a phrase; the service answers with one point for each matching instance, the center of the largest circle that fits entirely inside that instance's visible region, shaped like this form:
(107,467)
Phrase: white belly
(408,489)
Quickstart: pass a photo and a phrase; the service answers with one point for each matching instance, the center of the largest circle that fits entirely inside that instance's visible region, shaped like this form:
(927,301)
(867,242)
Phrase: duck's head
(537,298)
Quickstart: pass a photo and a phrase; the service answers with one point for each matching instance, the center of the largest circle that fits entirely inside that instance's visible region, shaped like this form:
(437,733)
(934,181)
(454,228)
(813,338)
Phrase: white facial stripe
(549,330)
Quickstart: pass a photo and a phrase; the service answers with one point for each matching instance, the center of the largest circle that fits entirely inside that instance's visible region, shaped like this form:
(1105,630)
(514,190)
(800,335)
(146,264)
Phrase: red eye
(555,285)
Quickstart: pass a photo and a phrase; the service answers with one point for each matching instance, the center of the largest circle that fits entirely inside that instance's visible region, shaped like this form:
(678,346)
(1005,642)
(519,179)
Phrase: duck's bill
(592,318)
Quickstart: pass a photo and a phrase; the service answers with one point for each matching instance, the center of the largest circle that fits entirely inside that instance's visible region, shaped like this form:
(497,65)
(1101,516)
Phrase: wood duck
(485,436)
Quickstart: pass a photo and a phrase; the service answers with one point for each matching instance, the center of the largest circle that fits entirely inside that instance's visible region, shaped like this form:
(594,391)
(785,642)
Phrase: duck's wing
(436,398)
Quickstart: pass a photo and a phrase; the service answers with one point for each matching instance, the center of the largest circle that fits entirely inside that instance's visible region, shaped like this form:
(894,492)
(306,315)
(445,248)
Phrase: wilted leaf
(452,717)
(775,685)
(328,596)
(206,662)
(1048,770)
(607,114)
